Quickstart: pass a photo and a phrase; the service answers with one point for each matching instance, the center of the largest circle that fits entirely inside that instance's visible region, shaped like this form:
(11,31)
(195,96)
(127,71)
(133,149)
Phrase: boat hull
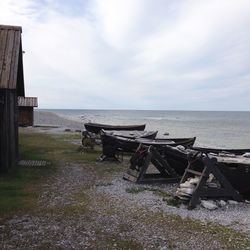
(159,143)
(125,142)
(97,127)
(130,145)
(236,172)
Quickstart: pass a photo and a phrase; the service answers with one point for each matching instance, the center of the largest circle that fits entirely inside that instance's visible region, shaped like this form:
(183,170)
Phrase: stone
(232,202)
(247,155)
(194,180)
(187,184)
(186,190)
(222,203)
(210,205)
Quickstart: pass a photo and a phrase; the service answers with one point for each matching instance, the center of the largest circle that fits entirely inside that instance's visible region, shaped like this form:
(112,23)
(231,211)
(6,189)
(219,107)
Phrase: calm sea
(213,129)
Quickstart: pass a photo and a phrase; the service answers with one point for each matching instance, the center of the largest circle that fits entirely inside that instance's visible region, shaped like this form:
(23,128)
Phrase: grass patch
(37,146)
(103,184)
(230,238)
(162,193)
(135,189)
(19,189)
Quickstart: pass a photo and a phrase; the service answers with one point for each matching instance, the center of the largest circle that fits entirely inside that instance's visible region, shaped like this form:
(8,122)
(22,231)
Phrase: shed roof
(27,101)
(11,59)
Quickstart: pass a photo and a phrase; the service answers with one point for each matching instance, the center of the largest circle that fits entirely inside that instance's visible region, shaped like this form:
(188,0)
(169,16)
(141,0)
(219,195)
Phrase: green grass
(54,147)
(20,187)
(135,189)
(17,189)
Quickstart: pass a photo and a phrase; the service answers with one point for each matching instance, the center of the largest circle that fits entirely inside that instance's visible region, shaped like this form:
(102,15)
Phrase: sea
(221,129)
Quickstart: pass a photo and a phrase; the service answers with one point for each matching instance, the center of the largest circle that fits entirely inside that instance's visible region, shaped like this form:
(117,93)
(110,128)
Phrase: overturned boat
(97,127)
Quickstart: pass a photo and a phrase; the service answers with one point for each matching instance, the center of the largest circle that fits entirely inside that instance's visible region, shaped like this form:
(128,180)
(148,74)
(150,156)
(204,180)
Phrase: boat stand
(224,190)
(145,158)
(111,153)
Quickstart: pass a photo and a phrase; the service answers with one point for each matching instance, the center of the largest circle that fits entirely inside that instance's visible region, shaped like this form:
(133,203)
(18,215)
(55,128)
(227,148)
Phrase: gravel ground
(80,208)
(236,216)
(62,220)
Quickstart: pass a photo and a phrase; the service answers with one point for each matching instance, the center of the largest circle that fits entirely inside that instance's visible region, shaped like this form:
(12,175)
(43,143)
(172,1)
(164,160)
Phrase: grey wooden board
(33,163)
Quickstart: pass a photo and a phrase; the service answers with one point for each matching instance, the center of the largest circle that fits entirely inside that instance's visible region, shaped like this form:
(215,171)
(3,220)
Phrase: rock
(166,133)
(247,201)
(232,202)
(186,184)
(194,180)
(180,193)
(163,248)
(186,190)
(210,205)
(247,155)
(180,147)
(213,185)
(222,203)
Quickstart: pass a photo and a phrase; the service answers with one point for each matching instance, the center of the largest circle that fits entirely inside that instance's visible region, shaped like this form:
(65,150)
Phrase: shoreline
(51,119)
(211,131)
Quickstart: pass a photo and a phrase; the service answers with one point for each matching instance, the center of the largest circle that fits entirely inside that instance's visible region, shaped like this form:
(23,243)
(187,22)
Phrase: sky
(135,54)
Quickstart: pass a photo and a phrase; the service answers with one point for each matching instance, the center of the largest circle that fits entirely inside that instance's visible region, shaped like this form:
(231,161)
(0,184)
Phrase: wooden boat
(160,142)
(133,134)
(115,141)
(130,144)
(222,150)
(97,127)
(124,140)
(234,166)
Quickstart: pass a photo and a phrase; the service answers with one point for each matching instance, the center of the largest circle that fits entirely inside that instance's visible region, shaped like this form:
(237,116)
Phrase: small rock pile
(186,189)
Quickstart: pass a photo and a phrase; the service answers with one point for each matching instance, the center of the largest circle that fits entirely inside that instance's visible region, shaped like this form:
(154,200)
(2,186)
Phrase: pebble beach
(234,215)
(119,212)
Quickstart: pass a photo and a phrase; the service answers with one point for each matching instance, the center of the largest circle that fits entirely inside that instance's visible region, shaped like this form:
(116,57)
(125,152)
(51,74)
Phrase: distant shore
(42,118)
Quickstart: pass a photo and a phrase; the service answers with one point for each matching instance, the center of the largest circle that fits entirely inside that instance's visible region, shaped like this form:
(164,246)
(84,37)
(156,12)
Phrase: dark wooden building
(11,86)
(26,110)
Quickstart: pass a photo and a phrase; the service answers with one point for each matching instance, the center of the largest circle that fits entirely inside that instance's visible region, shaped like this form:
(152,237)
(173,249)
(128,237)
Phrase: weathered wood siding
(8,130)
(11,85)
(26,116)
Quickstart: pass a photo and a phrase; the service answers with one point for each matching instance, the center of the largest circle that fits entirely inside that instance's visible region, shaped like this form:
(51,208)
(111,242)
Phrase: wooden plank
(3,42)
(194,172)
(1,134)
(10,27)
(16,127)
(33,163)
(14,60)
(6,131)
(12,134)
(27,101)
(20,78)
(8,56)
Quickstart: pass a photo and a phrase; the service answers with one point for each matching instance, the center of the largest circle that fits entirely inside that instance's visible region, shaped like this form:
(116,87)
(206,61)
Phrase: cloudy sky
(135,54)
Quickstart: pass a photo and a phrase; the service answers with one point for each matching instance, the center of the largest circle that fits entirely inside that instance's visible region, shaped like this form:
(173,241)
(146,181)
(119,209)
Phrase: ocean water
(212,128)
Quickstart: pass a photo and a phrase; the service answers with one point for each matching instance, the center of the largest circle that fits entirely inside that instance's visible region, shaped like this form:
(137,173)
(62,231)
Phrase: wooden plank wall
(8,130)
(10,48)
(26,116)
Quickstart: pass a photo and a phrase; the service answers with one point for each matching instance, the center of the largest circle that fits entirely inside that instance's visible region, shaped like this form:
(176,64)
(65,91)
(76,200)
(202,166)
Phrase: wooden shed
(11,86)
(26,110)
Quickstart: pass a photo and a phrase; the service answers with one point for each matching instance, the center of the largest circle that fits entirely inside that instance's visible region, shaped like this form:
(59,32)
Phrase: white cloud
(135,54)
